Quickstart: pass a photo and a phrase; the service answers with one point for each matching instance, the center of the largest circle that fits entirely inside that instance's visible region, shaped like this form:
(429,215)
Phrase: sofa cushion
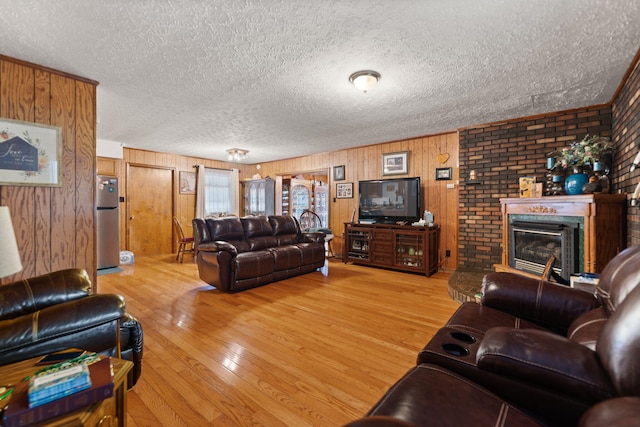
(253,264)
(586,328)
(286,257)
(618,278)
(225,229)
(256,226)
(258,233)
(283,224)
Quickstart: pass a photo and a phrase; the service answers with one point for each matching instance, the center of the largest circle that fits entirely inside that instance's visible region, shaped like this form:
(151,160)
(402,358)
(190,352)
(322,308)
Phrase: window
(220,192)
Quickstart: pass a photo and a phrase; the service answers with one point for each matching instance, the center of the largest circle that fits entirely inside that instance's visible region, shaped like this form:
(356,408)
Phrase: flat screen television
(389,200)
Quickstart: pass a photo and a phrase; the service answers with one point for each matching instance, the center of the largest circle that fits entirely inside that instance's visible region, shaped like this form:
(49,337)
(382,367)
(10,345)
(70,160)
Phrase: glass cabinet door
(300,200)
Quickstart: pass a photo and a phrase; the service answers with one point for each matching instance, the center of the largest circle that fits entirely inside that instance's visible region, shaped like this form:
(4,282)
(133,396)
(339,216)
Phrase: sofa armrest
(547,304)
(33,294)
(546,360)
(315,237)
(91,323)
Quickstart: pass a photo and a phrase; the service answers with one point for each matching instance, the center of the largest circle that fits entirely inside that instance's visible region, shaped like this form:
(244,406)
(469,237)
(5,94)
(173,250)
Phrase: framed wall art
(443,174)
(187,182)
(344,190)
(30,154)
(395,163)
(338,173)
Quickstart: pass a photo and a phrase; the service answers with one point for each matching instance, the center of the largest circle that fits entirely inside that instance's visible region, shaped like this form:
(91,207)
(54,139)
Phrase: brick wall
(626,135)
(500,154)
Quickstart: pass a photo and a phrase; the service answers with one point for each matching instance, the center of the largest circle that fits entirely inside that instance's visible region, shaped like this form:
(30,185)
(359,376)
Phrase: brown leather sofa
(57,311)
(531,353)
(234,254)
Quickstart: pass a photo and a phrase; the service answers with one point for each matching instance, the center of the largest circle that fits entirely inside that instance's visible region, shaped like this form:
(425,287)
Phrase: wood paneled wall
(366,163)
(184,204)
(360,164)
(54,225)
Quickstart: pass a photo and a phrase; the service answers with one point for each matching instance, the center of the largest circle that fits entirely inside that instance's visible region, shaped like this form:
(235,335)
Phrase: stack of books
(53,392)
(54,384)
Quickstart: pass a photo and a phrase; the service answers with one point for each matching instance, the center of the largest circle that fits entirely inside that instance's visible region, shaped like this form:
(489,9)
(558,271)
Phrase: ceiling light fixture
(237,154)
(364,80)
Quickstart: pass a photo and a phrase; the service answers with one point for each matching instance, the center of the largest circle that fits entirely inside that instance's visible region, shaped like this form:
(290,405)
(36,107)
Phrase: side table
(109,412)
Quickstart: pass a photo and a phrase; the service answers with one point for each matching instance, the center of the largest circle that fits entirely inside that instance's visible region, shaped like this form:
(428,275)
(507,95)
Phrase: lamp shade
(9,255)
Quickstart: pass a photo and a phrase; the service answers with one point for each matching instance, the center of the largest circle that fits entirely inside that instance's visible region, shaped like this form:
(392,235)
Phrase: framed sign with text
(30,154)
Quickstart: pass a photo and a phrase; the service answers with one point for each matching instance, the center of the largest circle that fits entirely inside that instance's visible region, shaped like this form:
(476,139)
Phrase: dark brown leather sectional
(234,254)
(531,353)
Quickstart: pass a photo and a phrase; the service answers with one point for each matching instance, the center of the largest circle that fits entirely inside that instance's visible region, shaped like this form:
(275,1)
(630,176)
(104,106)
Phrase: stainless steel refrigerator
(108,221)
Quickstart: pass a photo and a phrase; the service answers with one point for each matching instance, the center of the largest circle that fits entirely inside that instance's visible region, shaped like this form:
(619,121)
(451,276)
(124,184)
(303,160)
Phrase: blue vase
(573,183)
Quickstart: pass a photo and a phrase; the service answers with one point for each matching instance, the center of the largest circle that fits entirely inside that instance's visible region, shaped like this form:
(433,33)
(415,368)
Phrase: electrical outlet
(447,253)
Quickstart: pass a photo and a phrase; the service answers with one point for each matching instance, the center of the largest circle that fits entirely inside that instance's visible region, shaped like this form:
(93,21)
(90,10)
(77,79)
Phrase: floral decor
(589,151)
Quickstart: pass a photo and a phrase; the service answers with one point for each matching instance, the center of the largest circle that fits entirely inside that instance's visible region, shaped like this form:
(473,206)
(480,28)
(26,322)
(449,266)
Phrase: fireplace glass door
(532,243)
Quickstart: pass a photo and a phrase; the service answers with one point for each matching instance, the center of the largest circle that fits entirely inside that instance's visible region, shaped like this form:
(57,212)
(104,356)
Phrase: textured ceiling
(197,77)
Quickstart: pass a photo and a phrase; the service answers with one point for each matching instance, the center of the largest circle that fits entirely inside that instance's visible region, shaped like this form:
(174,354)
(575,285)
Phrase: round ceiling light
(364,80)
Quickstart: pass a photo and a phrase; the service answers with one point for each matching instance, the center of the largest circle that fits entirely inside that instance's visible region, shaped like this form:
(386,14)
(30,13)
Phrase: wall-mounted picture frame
(344,190)
(443,174)
(30,154)
(187,182)
(395,163)
(338,173)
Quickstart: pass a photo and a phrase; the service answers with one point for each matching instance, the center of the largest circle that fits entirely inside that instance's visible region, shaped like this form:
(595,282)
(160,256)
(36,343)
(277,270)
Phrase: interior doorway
(149,219)
(300,191)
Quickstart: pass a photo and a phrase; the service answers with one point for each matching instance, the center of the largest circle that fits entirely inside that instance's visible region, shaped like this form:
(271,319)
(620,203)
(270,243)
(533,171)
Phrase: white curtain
(200,172)
(235,190)
(220,194)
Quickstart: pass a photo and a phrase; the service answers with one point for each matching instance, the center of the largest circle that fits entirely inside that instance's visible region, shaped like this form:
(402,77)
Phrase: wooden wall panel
(42,194)
(63,223)
(363,163)
(54,225)
(85,162)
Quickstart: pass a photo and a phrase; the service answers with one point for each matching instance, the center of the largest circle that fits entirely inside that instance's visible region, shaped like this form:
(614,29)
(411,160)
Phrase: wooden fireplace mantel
(604,218)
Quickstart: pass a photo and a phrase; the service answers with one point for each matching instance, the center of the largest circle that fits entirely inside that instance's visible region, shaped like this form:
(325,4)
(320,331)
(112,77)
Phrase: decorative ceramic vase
(573,183)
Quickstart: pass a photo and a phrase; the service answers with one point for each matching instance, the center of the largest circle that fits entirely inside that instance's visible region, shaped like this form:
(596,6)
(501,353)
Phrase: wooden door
(149,210)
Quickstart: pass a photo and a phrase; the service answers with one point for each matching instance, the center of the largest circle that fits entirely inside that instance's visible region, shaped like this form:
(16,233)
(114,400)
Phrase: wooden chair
(185,244)
(311,222)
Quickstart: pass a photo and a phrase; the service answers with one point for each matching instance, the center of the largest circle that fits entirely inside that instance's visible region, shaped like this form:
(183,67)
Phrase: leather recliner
(57,311)
(555,314)
(510,375)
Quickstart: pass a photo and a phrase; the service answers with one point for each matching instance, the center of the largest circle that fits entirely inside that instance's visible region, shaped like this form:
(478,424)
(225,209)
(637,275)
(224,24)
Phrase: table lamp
(10,256)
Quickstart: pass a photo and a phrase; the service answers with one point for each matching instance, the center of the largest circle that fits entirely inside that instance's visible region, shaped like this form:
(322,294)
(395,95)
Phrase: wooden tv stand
(399,247)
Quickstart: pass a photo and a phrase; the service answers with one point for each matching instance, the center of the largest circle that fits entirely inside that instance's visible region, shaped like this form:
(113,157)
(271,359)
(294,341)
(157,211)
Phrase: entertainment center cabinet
(399,247)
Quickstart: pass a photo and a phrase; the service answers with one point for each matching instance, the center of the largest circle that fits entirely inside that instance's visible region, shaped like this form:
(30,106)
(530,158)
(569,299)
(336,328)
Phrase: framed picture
(395,163)
(344,190)
(30,154)
(443,174)
(338,173)
(187,182)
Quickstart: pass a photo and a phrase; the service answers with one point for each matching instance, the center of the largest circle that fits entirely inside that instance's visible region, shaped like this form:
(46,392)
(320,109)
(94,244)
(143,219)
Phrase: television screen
(389,200)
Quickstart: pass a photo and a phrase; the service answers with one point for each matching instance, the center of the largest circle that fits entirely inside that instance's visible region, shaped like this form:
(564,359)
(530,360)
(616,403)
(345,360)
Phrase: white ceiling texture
(197,77)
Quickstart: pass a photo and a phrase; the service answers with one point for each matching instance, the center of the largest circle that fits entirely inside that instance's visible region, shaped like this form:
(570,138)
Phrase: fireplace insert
(532,243)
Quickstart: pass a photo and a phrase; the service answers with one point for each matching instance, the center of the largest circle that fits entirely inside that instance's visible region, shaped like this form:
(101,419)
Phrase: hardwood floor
(314,350)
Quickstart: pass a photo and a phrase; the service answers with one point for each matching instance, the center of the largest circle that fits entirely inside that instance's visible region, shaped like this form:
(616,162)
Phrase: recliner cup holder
(463,336)
(455,349)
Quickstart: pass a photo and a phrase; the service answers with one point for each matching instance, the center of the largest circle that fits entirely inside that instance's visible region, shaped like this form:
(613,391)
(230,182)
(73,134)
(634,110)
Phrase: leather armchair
(57,311)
